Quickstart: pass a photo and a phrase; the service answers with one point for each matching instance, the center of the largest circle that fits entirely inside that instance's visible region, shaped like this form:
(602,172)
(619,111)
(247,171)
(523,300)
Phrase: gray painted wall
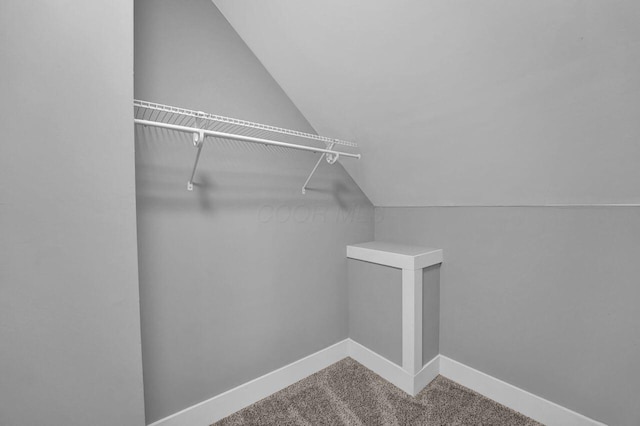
(375,308)
(543,298)
(486,102)
(69,311)
(430,313)
(244,275)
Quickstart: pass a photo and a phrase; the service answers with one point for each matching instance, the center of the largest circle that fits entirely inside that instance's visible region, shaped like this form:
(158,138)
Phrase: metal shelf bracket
(331,158)
(198,142)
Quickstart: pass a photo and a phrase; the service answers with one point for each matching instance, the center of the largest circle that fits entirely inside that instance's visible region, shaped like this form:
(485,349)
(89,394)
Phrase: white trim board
(384,368)
(429,372)
(220,406)
(412,320)
(395,255)
(535,407)
(393,373)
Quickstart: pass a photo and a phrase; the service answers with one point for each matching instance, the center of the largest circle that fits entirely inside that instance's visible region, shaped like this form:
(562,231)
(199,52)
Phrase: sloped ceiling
(487,102)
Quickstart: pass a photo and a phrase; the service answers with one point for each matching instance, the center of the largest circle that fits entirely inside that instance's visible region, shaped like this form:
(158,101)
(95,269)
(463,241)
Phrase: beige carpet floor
(346,393)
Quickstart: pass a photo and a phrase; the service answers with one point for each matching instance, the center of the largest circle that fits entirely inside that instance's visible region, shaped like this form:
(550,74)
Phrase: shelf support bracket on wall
(198,142)
(331,158)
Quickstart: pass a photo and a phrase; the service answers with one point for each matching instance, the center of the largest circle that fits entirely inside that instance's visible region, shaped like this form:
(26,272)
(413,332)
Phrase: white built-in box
(412,261)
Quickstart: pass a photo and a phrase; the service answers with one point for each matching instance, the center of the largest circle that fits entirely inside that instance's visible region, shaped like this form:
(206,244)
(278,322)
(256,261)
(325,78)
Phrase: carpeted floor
(346,393)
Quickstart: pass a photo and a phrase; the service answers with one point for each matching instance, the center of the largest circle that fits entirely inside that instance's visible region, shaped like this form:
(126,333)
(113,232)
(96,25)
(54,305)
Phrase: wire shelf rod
(186,114)
(243,138)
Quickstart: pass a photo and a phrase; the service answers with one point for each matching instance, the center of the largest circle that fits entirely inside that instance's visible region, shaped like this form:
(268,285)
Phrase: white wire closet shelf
(202,124)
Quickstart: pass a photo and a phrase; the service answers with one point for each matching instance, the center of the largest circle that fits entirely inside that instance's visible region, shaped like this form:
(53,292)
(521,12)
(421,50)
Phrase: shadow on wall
(236,175)
(244,274)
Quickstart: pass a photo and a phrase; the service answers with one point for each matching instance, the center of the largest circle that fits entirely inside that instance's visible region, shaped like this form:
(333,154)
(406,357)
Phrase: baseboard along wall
(539,409)
(220,406)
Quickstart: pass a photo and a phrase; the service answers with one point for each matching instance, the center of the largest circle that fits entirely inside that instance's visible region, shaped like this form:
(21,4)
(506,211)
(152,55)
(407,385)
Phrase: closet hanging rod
(201,124)
(243,138)
(176,115)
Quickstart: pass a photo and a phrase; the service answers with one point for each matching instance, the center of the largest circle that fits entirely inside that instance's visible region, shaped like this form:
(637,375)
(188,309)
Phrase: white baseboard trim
(220,406)
(429,372)
(384,368)
(391,371)
(535,407)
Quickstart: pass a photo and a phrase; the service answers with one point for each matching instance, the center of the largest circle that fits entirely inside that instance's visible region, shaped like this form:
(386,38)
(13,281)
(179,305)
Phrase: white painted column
(412,320)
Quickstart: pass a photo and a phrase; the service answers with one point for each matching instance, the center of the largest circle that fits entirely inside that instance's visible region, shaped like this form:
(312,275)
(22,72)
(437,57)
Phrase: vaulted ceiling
(487,102)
